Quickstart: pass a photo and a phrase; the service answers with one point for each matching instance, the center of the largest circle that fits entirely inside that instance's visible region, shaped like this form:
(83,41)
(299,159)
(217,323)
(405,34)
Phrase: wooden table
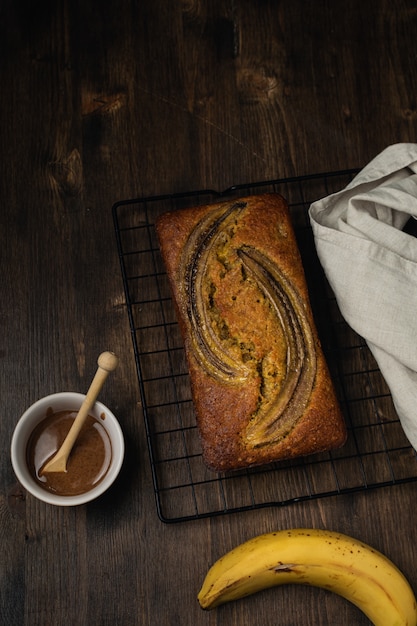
(103,101)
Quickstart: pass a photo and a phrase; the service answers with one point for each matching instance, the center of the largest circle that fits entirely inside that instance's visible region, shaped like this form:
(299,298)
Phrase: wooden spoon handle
(107,362)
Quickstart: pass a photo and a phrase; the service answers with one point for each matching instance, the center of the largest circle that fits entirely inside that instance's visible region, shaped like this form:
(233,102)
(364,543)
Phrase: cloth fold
(371,265)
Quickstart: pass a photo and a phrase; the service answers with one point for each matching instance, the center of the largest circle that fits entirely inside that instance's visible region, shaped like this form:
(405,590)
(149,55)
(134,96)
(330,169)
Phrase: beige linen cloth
(371,265)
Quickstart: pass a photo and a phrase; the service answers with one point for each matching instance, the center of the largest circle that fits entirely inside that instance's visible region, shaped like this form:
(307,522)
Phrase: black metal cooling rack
(377,452)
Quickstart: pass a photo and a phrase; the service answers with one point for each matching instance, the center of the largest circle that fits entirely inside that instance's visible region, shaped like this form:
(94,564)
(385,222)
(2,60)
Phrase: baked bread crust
(260,383)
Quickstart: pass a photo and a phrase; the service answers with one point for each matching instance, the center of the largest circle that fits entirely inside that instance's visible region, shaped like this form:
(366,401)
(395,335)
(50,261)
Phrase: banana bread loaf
(260,384)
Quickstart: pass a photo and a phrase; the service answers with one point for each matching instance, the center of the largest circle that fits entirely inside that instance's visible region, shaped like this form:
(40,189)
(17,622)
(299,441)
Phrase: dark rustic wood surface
(102,101)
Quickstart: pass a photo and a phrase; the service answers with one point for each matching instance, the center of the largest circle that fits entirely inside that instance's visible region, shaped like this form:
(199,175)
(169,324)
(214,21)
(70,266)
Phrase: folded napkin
(371,265)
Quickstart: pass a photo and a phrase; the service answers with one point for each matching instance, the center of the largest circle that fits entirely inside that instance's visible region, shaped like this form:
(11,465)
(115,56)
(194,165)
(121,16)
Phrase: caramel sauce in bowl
(88,462)
(95,460)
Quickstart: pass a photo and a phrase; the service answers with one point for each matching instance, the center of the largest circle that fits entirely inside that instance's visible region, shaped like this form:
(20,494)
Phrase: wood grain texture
(102,101)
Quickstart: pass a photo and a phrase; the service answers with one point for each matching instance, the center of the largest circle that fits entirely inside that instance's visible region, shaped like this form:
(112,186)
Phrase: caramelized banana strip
(207,345)
(276,418)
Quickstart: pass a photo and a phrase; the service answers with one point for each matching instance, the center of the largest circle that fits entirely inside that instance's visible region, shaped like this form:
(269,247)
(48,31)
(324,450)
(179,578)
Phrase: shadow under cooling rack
(377,452)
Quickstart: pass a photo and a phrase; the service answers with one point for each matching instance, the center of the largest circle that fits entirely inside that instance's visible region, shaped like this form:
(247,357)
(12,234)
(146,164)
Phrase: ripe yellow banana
(320,558)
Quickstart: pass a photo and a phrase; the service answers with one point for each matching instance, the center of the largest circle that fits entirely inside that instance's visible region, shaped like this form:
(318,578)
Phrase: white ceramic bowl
(69,401)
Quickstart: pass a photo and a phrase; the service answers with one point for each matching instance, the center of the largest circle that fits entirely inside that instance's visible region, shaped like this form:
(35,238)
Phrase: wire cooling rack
(377,452)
